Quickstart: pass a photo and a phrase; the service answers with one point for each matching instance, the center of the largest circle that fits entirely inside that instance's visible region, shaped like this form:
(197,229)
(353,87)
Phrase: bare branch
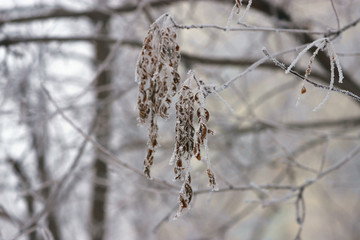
(336,15)
(282,66)
(113,160)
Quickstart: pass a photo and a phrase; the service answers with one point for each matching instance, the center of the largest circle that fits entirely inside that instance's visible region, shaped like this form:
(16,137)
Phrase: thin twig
(336,15)
(352,54)
(300,212)
(282,66)
(323,158)
(293,188)
(164,219)
(267,29)
(113,160)
(290,157)
(249,29)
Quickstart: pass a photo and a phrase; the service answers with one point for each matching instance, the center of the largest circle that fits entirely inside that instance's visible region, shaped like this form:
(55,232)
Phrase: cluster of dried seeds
(202,131)
(184,130)
(184,143)
(158,79)
(188,141)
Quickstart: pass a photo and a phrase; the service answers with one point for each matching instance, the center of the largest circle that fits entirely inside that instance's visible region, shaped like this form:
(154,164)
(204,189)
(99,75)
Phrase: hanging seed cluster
(184,130)
(158,79)
(184,143)
(188,140)
(185,195)
(202,131)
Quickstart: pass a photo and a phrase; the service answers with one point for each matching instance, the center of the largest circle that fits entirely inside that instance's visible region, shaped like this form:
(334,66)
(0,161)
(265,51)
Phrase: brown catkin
(184,130)
(202,130)
(188,140)
(158,79)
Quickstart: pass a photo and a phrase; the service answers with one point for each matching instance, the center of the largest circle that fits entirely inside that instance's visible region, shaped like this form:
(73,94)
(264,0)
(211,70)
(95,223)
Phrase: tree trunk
(102,135)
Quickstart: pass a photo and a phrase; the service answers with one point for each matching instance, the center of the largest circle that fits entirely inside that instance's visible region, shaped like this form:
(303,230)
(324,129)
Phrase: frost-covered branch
(334,89)
(248,29)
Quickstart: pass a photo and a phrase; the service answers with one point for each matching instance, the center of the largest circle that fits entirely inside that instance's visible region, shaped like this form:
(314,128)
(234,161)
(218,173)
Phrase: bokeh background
(68,85)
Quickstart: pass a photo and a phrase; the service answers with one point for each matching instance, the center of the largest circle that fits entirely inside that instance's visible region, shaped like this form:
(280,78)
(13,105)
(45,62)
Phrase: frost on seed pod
(202,131)
(190,139)
(184,130)
(158,79)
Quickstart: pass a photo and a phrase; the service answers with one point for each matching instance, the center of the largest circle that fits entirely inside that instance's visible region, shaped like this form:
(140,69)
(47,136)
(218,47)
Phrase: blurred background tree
(71,159)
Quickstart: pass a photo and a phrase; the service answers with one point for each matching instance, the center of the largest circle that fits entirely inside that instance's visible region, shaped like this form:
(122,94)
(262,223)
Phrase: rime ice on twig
(334,56)
(303,52)
(333,60)
(311,60)
(320,43)
(202,131)
(236,8)
(245,12)
(158,79)
(282,66)
(308,70)
(332,79)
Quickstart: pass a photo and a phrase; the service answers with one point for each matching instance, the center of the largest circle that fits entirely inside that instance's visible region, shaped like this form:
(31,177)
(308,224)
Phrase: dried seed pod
(202,131)
(190,139)
(188,192)
(184,129)
(303,90)
(212,181)
(185,196)
(158,79)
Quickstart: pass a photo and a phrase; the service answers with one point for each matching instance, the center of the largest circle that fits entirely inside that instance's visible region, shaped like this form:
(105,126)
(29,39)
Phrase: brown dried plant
(188,140)
(184,130)
(158,79)
(184,143)
(202,131)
